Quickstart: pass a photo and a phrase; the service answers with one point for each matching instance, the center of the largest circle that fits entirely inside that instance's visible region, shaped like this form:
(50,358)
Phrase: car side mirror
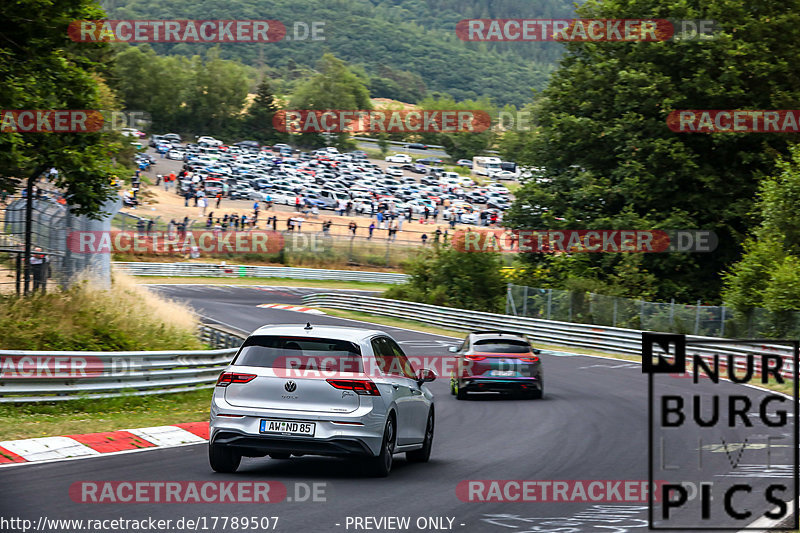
(536,351)
(452,349)
(425,376)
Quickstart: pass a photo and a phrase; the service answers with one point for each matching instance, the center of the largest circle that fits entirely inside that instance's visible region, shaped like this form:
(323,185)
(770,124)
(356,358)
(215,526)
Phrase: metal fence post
(510,305)
(722,322)
(525,302)
(641,314)
(614,318)
(570,305)
(697,318)
(549,302)
(672,312)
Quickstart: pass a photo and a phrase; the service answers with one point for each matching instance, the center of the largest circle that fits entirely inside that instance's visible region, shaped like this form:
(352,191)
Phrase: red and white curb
(288,307)
(93,444)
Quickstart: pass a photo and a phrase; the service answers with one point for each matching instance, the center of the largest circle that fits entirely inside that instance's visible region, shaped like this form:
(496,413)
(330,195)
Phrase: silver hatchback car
(321,390)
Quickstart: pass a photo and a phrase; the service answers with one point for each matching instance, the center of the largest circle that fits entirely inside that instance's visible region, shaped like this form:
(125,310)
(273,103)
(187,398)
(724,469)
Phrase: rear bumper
(480,383)
(334,446)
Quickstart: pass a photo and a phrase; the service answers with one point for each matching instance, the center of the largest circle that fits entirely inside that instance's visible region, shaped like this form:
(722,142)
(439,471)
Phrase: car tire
(280,455)
(538,394)
(223,460)
(461,394)
(381,465)
(424,454)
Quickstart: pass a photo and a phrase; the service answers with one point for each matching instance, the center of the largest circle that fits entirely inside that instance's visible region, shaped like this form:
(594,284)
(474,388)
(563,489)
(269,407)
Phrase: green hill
(406,47)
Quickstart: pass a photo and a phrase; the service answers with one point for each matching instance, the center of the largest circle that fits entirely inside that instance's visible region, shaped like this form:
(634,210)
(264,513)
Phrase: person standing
(39,266)
(219,199)
(371,229)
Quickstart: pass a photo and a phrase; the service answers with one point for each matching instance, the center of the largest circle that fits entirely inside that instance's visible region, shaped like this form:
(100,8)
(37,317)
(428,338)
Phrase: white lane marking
(42,448)
(623,365)
(166,435)
(775,471)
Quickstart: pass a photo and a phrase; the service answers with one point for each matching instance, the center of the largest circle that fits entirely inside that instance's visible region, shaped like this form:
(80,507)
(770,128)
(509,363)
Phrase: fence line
(598,309)
(602,339)
(250,271)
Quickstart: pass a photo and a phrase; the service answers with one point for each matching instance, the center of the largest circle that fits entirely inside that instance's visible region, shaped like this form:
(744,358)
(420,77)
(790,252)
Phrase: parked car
(394,171)
(399,158)
(504,175)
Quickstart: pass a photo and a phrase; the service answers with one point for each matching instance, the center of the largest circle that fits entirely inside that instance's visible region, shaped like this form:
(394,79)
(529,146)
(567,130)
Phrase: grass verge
(88,317)
(278,282)
(25,421)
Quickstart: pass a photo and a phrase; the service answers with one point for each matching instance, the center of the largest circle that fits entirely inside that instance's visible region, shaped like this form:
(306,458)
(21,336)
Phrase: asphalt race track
(592,425)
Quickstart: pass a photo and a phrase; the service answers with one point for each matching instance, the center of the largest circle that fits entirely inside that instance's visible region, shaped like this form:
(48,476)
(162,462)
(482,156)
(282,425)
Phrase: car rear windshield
(306,353)
(502,346)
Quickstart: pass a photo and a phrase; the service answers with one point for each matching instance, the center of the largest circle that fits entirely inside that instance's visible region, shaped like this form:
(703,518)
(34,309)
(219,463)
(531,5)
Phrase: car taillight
(531,359)
(476,357)
(364,387)
(226,378)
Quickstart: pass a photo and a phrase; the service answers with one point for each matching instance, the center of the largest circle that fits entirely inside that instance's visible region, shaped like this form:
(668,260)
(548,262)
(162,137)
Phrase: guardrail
(250,271)
(45,376)
(598,338)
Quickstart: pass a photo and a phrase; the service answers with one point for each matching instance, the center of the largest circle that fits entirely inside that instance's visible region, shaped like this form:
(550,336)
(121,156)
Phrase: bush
(86,317)
(444,276)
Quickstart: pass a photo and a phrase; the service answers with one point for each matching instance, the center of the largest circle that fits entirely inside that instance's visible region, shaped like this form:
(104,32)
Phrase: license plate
(503,373)
(287,427)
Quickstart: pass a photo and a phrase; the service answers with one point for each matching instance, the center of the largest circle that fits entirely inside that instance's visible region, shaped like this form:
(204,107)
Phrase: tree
(767,274)
(445,276)
(43,69)
(159,85)
(383,143)
(334,87)
(217,93)
(601,133)
(466,144)
(258,121)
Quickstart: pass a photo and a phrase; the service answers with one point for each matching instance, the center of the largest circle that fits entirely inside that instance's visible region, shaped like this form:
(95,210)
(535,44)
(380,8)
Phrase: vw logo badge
(290,386)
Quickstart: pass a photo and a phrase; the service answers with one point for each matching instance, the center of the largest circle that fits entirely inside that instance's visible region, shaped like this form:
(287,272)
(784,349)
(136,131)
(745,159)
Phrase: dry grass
(88,317)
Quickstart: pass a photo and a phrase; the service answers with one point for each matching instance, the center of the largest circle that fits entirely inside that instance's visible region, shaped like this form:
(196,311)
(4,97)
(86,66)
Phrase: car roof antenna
(308,326)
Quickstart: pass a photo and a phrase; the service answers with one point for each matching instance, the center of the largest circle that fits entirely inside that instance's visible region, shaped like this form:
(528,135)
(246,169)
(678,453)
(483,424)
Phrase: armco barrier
(250,271)
(44,376)
(599,338)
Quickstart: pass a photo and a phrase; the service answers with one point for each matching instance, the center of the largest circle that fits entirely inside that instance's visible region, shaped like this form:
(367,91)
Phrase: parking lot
(316,187)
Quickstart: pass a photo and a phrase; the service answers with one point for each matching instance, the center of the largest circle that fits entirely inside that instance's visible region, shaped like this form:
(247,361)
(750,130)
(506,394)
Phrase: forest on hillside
(405,48)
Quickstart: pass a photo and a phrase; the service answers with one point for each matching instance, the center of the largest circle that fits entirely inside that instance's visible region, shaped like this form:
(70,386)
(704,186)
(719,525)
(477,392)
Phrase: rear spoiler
(498,332)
